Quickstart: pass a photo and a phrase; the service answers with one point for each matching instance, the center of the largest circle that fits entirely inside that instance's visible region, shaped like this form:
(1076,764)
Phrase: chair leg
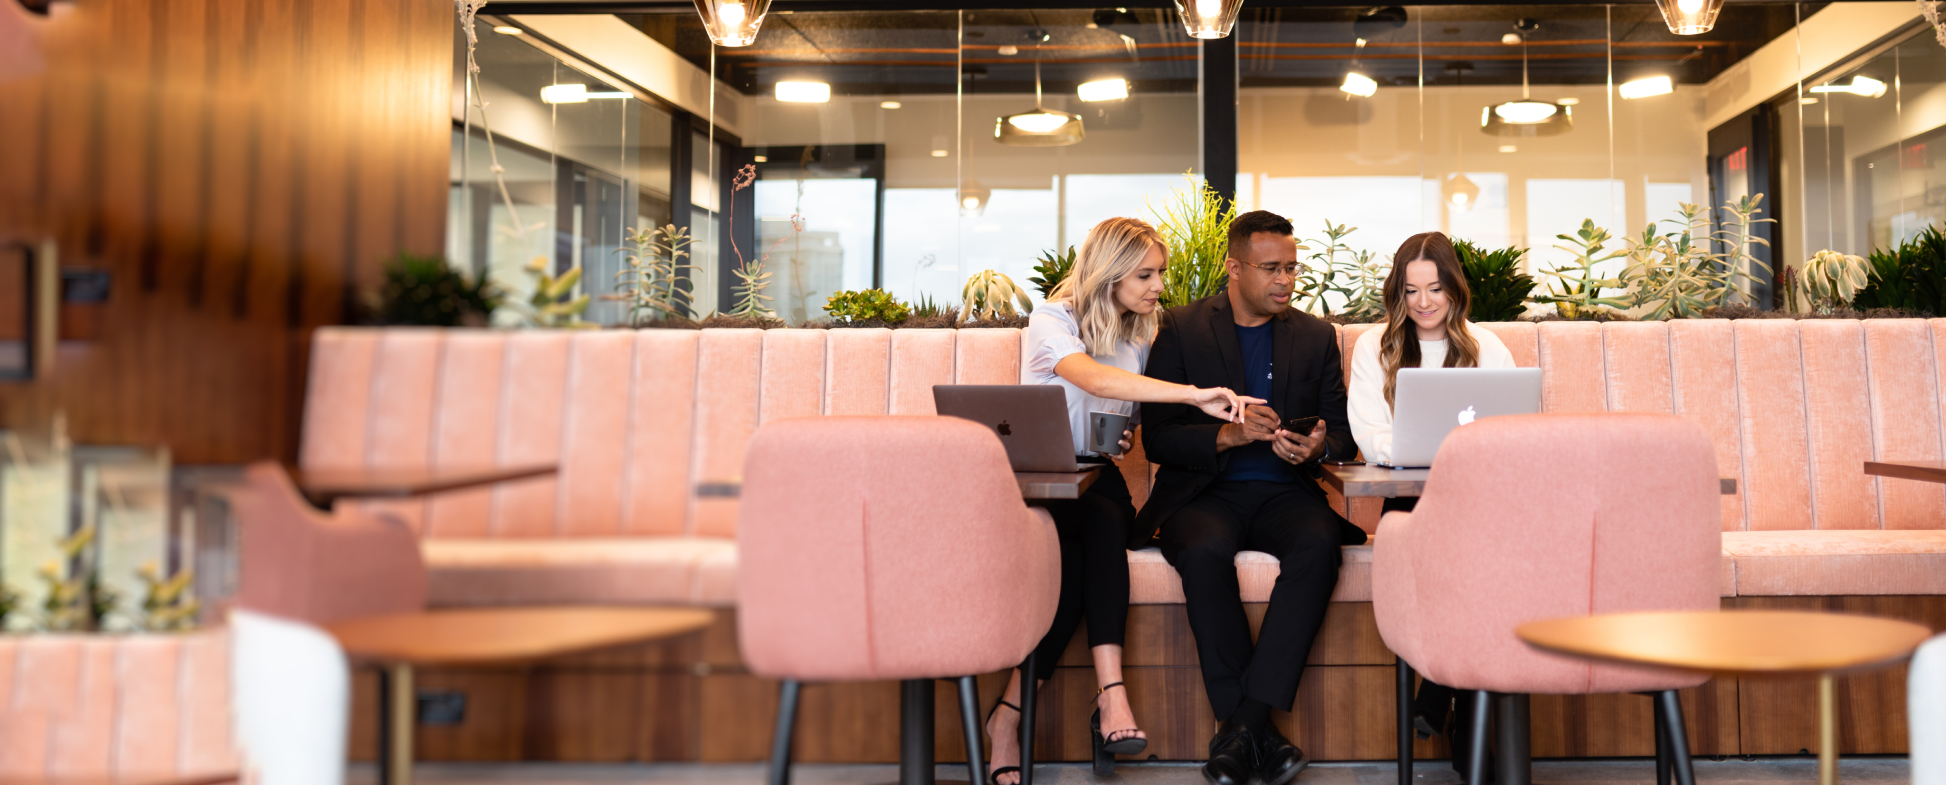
(1028,693)
(969,716)
(780,745)
(1670,709)
(1476,742)
(1404,700)
(1662,758)
(1514,732)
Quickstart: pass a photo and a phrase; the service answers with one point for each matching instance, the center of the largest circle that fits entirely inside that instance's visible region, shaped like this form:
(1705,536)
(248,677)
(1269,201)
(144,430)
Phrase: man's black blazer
(1197,345)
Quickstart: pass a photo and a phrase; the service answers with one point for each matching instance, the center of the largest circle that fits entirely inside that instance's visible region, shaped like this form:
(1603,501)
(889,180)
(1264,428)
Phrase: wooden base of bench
(691,700)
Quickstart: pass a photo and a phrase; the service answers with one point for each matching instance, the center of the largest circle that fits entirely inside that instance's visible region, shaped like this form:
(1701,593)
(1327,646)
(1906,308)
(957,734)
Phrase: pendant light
(1526,117)
(1690,17)
(973,198)
(1209,18)
(732,22)
(1459,191)
(1042,127)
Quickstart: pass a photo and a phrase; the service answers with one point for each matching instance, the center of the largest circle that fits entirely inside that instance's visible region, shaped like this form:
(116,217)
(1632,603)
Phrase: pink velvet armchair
(881,548)
(1540,517)
(298,563)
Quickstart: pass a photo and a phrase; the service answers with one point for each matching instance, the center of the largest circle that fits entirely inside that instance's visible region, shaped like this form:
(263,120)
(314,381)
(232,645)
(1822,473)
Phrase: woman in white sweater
(1426,302)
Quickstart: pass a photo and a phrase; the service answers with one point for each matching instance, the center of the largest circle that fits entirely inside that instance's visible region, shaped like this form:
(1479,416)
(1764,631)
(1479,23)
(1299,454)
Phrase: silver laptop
(1030,419)
(1430,402)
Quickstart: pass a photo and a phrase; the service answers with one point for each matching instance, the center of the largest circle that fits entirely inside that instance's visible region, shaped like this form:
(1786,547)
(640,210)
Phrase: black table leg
(915,732)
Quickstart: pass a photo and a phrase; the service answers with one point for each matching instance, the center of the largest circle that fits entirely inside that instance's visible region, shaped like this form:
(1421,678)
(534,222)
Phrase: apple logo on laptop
(1466,416)
(1004,428)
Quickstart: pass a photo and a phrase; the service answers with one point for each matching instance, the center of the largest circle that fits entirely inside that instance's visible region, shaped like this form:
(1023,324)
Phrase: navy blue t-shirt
(1255,461)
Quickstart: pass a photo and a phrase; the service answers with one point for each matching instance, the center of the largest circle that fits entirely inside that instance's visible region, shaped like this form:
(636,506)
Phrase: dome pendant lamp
(1526,117)
(1690,17)
(732,22)
(1209,18)
(1042,127)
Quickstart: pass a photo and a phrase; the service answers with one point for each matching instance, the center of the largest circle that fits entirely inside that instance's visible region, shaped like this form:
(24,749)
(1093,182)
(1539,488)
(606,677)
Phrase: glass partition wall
(882,152)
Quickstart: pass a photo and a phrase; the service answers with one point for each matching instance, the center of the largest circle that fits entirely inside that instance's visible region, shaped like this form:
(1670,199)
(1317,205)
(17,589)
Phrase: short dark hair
(1253,222)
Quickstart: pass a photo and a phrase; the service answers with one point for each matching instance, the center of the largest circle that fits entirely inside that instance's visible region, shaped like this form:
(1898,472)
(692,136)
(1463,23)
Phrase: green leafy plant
(425,290)
(1500,290)
(553,303)
(649,281)
(9,602)
(1831,280)
(1576,287)
(747,293)
(1322,276)
(867,306)
(1672,274)
(1911,276)
(927,308)
(76,600)
(166,604)
(1367,302)
(1738,235)
(1788,288)
(1195,225)
(1053,269)
(990,294)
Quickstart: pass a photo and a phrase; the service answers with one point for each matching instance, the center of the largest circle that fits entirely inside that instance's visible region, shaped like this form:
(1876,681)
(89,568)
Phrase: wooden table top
(1370,480)
(1732,642)
(1925,471)
(506,635)
(324,486)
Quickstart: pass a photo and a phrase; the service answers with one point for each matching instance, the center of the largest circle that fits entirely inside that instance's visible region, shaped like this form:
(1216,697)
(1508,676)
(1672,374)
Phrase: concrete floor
(1762,771)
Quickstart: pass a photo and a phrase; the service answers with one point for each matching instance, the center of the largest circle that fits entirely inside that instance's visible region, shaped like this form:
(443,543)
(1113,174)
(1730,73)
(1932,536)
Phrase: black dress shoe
(1278,760)
(1232,756)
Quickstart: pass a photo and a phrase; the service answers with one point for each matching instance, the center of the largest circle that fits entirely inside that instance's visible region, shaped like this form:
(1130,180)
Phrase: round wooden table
(1773,643)
(479,636)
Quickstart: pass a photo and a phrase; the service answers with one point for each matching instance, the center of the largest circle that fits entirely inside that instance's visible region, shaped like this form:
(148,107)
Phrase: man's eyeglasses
(1287,270)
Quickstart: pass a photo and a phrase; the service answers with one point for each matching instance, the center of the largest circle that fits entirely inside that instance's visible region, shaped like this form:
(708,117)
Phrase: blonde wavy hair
(1399,346)
(1113,250)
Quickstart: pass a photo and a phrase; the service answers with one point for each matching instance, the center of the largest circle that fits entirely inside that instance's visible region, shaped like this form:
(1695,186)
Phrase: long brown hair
(1399,345)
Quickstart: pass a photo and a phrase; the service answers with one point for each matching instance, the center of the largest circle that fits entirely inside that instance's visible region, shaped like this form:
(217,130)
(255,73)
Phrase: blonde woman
(1092,338)
(1426,301)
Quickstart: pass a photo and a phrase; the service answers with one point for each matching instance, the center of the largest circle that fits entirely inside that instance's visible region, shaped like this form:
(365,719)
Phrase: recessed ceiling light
(803,92)
(1103,90)
(1646,87)
(1860,85)
(1807,100)
(762,159)
(506,30)
(889,104)
(1510,39)
(1359,84)
(1568,101)
(1507,148)
(939,153)
(1009,50)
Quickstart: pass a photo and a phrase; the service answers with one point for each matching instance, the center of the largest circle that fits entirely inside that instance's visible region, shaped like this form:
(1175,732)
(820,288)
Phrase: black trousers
(1201,541)
(1435,700)
(1094,567)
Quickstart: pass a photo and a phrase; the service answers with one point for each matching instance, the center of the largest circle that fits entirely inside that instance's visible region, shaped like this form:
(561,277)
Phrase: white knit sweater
(1371,417)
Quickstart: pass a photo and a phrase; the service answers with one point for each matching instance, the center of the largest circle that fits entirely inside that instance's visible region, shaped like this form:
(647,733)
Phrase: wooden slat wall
(242,168)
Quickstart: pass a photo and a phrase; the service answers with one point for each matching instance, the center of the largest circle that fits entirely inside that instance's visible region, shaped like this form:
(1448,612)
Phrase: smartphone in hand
(1301,425)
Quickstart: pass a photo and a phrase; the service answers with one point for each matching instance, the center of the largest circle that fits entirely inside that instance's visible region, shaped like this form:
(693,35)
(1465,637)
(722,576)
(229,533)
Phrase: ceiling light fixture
(506,30)
(939,153)
(804,92)
(762,159)
(565,94)
(1568,101)
(973,198)
(1690,17)
(732,22)
(1646,87)
(1359,85)
(1461,192)
(1860,85)
(1507,148)
(1526,117)
(889,104)
(1209,18)
(1103,90)
(1042,127)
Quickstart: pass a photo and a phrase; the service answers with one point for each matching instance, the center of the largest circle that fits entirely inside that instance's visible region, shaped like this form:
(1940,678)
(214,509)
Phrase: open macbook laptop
(1430,402)
(1031,420)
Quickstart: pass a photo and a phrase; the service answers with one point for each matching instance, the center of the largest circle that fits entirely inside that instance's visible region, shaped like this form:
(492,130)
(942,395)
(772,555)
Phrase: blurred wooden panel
(1159,636)
(239,167)
(497,712)
(1780,716)
(1616,726)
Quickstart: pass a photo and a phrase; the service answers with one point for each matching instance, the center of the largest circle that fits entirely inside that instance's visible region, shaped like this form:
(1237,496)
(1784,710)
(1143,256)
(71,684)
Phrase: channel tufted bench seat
(638,419)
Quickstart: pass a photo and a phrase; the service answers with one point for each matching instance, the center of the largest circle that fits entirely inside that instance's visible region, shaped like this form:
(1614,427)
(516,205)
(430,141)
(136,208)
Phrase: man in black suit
(1227,487)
